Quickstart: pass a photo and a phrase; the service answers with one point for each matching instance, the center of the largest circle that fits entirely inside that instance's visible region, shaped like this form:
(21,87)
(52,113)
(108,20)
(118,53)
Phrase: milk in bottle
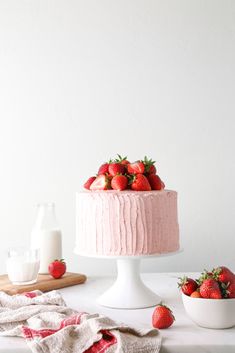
(46,236)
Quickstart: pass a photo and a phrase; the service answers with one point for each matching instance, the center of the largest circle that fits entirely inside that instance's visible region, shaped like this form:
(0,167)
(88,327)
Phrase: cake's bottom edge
(117,255)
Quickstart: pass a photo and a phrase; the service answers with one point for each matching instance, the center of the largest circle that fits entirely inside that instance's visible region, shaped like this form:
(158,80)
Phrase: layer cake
(126,223)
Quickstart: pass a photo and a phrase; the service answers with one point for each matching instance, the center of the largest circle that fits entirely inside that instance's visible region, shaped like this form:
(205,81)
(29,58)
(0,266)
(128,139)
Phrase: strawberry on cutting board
(162,317)
(57,268)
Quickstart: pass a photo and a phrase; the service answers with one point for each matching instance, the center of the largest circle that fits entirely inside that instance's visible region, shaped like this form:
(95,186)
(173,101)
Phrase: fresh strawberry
(116,168)
(223,274)
(162,317)
(195,294)
(204,275)
(136,168)
(155,182)
(119,182)
(187,285)
(152,169)
(210,289)
(149,167)
(101,182)
(103,169)
(89,182)
(122,160)
(140,183)
(216,295)
(57,268)
(125,162)
(163,185)
(231,290)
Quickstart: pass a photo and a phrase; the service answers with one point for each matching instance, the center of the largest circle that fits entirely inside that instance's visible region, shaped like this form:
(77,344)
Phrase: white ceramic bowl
(210,313)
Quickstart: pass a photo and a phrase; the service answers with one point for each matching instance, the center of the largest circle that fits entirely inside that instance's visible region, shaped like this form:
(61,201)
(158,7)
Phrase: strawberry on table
(119,182)
(162,317)
(89,182)
(187,285)
(101,182)
(57,268)
(155,182)
(210,289)
(140,183)
(116,168)
(136,168)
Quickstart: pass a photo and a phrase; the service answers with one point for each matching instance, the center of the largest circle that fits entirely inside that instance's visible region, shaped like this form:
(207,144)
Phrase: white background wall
(83,80)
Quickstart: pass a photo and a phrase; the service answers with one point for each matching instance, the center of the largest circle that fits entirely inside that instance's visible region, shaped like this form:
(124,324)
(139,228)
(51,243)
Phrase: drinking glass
(23,265)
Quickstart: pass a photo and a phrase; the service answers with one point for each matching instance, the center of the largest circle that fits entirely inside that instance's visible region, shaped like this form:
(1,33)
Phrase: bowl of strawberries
(210,299)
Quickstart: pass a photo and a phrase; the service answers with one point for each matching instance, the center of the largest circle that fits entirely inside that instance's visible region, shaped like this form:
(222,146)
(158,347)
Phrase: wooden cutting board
(44,283)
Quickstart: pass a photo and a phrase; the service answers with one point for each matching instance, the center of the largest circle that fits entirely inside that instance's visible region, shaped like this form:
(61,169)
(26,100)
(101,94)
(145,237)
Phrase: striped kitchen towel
(49,326)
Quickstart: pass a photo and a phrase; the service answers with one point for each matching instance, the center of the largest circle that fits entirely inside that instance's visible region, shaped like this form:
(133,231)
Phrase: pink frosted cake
(127,222)
(125,211)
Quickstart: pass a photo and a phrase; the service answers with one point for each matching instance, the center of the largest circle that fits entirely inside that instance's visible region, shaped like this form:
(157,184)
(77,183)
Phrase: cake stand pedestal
(129,291)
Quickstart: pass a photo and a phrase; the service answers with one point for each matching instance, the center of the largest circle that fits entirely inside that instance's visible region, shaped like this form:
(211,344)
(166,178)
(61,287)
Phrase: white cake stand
(129,291)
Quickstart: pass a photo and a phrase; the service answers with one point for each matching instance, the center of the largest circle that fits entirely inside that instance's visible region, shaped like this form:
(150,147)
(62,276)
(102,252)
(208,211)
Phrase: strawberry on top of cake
(120,174)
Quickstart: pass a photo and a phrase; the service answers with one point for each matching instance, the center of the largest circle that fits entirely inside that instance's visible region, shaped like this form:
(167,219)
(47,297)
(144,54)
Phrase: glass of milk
(23,265)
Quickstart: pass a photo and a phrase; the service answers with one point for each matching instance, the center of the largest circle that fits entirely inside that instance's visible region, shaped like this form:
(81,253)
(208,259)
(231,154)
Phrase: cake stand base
(128,291)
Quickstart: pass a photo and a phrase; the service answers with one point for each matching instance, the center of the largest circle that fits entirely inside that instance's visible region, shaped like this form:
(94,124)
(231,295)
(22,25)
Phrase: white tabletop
(183,337)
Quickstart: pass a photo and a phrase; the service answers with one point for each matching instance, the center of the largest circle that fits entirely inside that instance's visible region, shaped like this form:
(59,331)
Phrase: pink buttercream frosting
(126,223)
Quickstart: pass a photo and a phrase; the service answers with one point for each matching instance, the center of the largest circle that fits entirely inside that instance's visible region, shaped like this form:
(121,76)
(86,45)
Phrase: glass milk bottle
(46,236)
